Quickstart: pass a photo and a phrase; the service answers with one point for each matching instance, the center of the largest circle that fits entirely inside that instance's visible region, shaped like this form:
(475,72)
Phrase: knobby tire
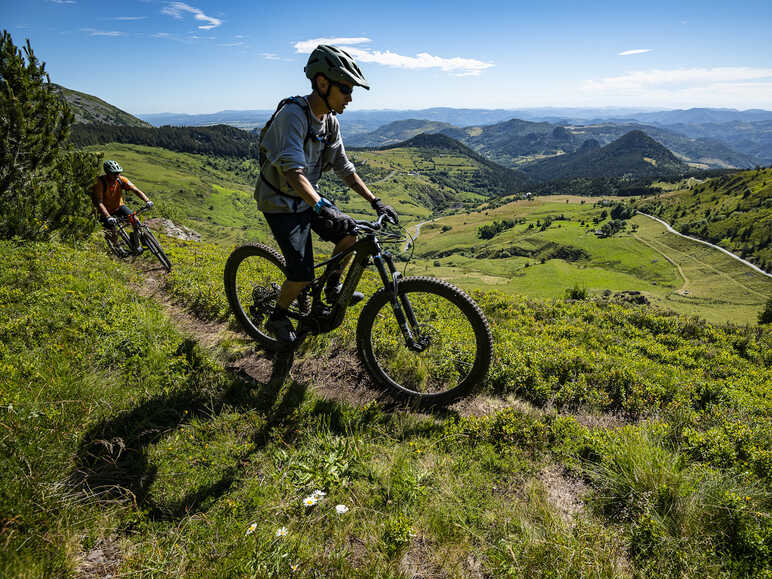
(249,269)
(155,248)
(123,247)
(383,352)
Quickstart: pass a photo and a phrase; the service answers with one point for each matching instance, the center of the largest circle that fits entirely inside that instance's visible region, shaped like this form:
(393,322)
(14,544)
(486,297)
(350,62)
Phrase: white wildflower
(310,501)
(251,528)
(281,531)
(340,509)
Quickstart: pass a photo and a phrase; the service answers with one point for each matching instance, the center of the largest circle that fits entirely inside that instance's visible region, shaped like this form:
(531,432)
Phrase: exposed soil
(101,561)
(563,492)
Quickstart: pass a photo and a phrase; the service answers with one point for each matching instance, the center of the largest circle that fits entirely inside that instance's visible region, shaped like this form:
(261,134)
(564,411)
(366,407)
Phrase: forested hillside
(634,156)
(217,140)
(733,211)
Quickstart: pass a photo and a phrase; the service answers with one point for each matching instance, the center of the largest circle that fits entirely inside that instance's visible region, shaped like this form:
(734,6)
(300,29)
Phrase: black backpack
(301,102)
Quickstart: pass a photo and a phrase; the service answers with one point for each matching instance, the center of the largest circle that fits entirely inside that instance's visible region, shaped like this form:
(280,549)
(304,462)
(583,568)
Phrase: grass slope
(214,196)
(89,109)
(129,450)
(733,211)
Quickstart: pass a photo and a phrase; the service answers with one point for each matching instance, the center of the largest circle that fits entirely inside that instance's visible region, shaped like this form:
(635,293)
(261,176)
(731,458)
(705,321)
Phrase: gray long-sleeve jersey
(287,148)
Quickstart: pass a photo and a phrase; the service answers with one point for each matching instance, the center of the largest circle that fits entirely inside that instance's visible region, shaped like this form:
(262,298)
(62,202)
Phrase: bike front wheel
(453,345)
(155,248)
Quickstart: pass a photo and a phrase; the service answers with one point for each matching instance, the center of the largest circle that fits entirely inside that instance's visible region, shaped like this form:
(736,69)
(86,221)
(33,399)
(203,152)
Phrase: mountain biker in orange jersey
(107,197)
(301,141)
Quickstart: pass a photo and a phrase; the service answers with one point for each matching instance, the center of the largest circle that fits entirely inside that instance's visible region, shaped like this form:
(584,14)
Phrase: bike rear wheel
(155,248)
(120,245)
(254,275)
(452,330)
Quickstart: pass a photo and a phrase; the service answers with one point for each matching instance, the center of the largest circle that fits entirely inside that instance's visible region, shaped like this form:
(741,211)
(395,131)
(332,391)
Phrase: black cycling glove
(339,222)
(382,209)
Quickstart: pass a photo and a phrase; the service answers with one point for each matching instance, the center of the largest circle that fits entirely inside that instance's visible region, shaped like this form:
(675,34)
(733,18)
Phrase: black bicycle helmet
(335,64)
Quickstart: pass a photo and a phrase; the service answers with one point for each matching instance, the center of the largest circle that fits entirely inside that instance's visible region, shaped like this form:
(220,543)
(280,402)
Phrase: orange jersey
(110,196)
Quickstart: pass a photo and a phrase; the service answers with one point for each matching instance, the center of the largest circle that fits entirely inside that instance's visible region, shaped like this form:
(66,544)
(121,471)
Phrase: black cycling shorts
(122,211)
(293,234)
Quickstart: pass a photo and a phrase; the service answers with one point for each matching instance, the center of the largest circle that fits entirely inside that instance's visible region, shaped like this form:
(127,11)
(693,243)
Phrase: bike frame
(131,219)
(366,251)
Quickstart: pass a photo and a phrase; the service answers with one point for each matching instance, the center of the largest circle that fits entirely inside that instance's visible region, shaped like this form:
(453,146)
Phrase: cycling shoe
(281,327)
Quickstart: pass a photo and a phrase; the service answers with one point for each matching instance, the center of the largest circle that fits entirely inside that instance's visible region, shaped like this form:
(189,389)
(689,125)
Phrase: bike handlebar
(372,225)
(137,212)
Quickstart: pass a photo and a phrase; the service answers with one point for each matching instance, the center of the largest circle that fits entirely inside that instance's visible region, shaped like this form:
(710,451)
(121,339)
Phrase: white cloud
(128,18)
(678,78)
(460,66)
(233,44)
(270,56)
(176,9)
(636,51)
(306,46)
(723,86)
(95,32)
(63,1)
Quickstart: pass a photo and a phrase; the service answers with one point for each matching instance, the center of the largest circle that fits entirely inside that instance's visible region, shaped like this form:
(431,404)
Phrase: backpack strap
(303,104)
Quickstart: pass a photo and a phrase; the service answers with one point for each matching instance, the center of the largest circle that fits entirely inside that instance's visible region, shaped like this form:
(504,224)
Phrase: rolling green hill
(552,247)
(733,211)
(89,109)
(214,197)
(211,195)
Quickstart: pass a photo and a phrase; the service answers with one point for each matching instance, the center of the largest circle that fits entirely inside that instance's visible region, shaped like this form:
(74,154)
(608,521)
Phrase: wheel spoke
(448,357)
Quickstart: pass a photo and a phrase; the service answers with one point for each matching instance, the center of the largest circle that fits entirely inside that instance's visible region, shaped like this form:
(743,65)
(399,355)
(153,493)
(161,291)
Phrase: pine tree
(42,180)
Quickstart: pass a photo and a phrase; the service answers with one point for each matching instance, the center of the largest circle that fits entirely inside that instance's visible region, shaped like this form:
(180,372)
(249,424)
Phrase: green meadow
(213,196)
(672,272)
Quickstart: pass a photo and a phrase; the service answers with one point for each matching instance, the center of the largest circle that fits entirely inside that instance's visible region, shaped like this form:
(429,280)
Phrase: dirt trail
(340,377)
(669,260)
(337,376)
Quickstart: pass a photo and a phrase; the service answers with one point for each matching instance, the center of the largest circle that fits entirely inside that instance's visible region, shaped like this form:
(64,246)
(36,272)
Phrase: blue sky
(201,56)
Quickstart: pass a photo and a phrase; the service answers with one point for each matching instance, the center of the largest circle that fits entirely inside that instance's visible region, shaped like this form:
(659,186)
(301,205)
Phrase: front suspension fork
(400,304)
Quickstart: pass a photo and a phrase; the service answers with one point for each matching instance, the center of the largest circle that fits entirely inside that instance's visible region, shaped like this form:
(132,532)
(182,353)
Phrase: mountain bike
(122,244)
(421,338)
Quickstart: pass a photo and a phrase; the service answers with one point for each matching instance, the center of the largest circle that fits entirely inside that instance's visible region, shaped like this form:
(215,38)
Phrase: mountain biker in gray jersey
(302,141)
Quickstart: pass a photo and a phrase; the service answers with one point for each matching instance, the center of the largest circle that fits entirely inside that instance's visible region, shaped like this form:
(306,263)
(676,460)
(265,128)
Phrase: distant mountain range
(516,142)
(703,138)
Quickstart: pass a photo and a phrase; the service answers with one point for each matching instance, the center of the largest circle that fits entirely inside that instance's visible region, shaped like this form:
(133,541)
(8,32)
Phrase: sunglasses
(343,88)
